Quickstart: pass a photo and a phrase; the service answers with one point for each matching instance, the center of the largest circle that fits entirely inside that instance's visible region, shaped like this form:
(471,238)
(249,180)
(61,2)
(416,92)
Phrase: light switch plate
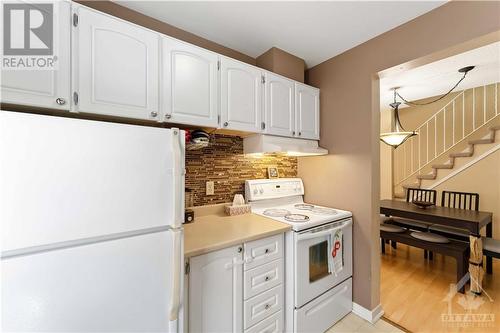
(210,188)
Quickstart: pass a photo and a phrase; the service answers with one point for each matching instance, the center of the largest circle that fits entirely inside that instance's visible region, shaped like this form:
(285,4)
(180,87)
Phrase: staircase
(466,130)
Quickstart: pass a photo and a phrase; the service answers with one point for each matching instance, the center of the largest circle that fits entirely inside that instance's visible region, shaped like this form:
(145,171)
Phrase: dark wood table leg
(489,260)
(462,267)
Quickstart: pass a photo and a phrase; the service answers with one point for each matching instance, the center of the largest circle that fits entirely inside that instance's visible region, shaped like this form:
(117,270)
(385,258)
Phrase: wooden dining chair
(460,200)
(420,194)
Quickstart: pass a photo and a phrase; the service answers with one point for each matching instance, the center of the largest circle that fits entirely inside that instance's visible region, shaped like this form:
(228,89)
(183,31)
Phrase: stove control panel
(263,189)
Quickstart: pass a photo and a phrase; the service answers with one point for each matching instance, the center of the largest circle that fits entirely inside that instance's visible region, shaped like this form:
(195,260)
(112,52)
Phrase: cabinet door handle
(60,101)
(154,114)
(300,133)
(168,116)
(293,132)
(267,278)
(267,306)
(226,124)
(240,249)
(266,251)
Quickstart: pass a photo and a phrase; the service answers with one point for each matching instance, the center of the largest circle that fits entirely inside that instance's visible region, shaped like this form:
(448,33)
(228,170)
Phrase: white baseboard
(371,316)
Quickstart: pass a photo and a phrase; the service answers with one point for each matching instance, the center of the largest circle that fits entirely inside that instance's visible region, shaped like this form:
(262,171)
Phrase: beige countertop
(213,230)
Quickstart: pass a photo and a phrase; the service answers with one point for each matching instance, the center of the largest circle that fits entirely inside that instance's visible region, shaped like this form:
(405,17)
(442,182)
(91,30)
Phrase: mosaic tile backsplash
(224,163)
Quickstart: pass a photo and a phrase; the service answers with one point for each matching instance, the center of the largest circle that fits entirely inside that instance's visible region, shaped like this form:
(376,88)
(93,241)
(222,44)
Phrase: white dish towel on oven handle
(335,248)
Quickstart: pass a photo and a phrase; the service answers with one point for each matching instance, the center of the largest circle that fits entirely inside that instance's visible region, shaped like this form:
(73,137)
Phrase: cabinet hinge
(218,65)
(263,79)
(187,268)
(75,19)
(75,98)
(263,125)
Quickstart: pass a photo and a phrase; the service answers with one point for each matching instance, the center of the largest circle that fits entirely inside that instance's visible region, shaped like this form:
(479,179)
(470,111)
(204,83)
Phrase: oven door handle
(310,235)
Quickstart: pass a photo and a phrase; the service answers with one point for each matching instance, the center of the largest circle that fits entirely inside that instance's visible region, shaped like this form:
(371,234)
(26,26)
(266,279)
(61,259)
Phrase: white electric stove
(317,295)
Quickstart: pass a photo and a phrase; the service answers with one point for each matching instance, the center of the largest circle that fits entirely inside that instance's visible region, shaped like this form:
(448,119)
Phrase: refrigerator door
(65,179)
(119,285)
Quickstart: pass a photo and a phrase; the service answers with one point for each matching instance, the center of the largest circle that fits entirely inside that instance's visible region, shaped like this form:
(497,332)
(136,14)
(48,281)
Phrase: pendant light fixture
(399,135)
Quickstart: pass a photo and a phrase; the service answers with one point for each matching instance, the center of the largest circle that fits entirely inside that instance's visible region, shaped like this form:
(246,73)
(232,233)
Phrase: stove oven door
(314,272)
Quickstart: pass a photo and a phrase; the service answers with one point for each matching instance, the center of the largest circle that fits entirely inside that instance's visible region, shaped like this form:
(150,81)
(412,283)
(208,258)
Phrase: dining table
(470,220)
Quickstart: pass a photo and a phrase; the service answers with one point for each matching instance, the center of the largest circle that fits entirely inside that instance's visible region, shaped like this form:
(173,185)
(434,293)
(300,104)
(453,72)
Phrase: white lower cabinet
(215,291)
(272,324)
(226,297)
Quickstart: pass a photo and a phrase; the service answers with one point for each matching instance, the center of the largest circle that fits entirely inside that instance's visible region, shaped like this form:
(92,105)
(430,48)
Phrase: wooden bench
(456,249)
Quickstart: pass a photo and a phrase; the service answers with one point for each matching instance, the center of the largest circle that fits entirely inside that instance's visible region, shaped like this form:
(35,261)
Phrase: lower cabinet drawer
(262,278)
(273,324)
(262,306)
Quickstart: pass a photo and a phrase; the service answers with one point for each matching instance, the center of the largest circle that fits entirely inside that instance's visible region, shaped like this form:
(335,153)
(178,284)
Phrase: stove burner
(324,211)
(275,212)
(304,206)
(297,218)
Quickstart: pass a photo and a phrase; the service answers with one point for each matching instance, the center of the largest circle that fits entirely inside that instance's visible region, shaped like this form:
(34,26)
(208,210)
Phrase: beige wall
(283,63)
(483,178)
(349,177)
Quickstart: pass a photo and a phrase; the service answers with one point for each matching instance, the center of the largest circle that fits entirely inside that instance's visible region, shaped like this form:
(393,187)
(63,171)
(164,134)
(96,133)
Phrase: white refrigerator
(91,225)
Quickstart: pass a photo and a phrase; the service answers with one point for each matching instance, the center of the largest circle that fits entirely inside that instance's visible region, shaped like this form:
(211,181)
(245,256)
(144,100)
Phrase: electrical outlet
(210,186)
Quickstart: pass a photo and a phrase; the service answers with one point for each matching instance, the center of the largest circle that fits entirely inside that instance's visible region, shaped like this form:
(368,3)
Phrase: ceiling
(438,77)
(314,31)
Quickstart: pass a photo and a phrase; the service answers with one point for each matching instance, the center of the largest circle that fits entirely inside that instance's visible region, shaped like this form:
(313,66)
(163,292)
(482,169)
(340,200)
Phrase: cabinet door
(216,291)
(189,84)
(279,105)
(307,111)
(115,67)
(44,88)
(241,96)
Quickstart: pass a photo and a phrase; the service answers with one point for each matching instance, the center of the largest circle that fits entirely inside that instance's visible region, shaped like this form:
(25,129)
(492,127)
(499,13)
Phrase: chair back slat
(419,194)
(461,200)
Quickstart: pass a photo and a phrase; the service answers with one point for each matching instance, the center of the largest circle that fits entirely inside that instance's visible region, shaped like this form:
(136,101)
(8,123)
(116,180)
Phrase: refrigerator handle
(178,142)
(175,291)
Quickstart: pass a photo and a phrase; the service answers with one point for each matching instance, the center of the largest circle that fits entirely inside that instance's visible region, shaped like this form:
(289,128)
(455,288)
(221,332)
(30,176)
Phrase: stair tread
(480,141)
(442,166)
(462,154)
(428,176)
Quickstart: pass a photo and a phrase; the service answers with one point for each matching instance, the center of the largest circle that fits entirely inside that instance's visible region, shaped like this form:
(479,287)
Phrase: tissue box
(237,210)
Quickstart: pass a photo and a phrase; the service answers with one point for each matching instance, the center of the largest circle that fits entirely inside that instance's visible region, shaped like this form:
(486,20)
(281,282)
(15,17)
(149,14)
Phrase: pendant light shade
(399,135)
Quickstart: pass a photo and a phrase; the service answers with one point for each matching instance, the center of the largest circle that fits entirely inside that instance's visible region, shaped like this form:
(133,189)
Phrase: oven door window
(318,261)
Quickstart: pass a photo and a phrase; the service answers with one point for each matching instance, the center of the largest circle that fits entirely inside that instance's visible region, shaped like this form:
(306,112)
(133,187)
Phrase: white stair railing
(448,127)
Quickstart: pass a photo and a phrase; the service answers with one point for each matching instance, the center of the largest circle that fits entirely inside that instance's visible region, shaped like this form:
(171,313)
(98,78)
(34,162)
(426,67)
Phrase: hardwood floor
(414,294)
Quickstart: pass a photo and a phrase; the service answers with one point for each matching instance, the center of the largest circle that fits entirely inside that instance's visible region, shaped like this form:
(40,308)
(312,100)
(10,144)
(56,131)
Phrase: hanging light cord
(465,71)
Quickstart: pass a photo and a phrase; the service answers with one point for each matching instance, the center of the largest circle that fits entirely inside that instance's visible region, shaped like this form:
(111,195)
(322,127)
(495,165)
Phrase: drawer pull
(267,278)
(266,251)
(267,306)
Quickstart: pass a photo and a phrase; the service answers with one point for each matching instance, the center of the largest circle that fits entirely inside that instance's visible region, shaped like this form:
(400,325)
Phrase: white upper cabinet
(189,84)
(44,88)
(115,67)
(241,96)
(307,111)
(279,105)
(216,291)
